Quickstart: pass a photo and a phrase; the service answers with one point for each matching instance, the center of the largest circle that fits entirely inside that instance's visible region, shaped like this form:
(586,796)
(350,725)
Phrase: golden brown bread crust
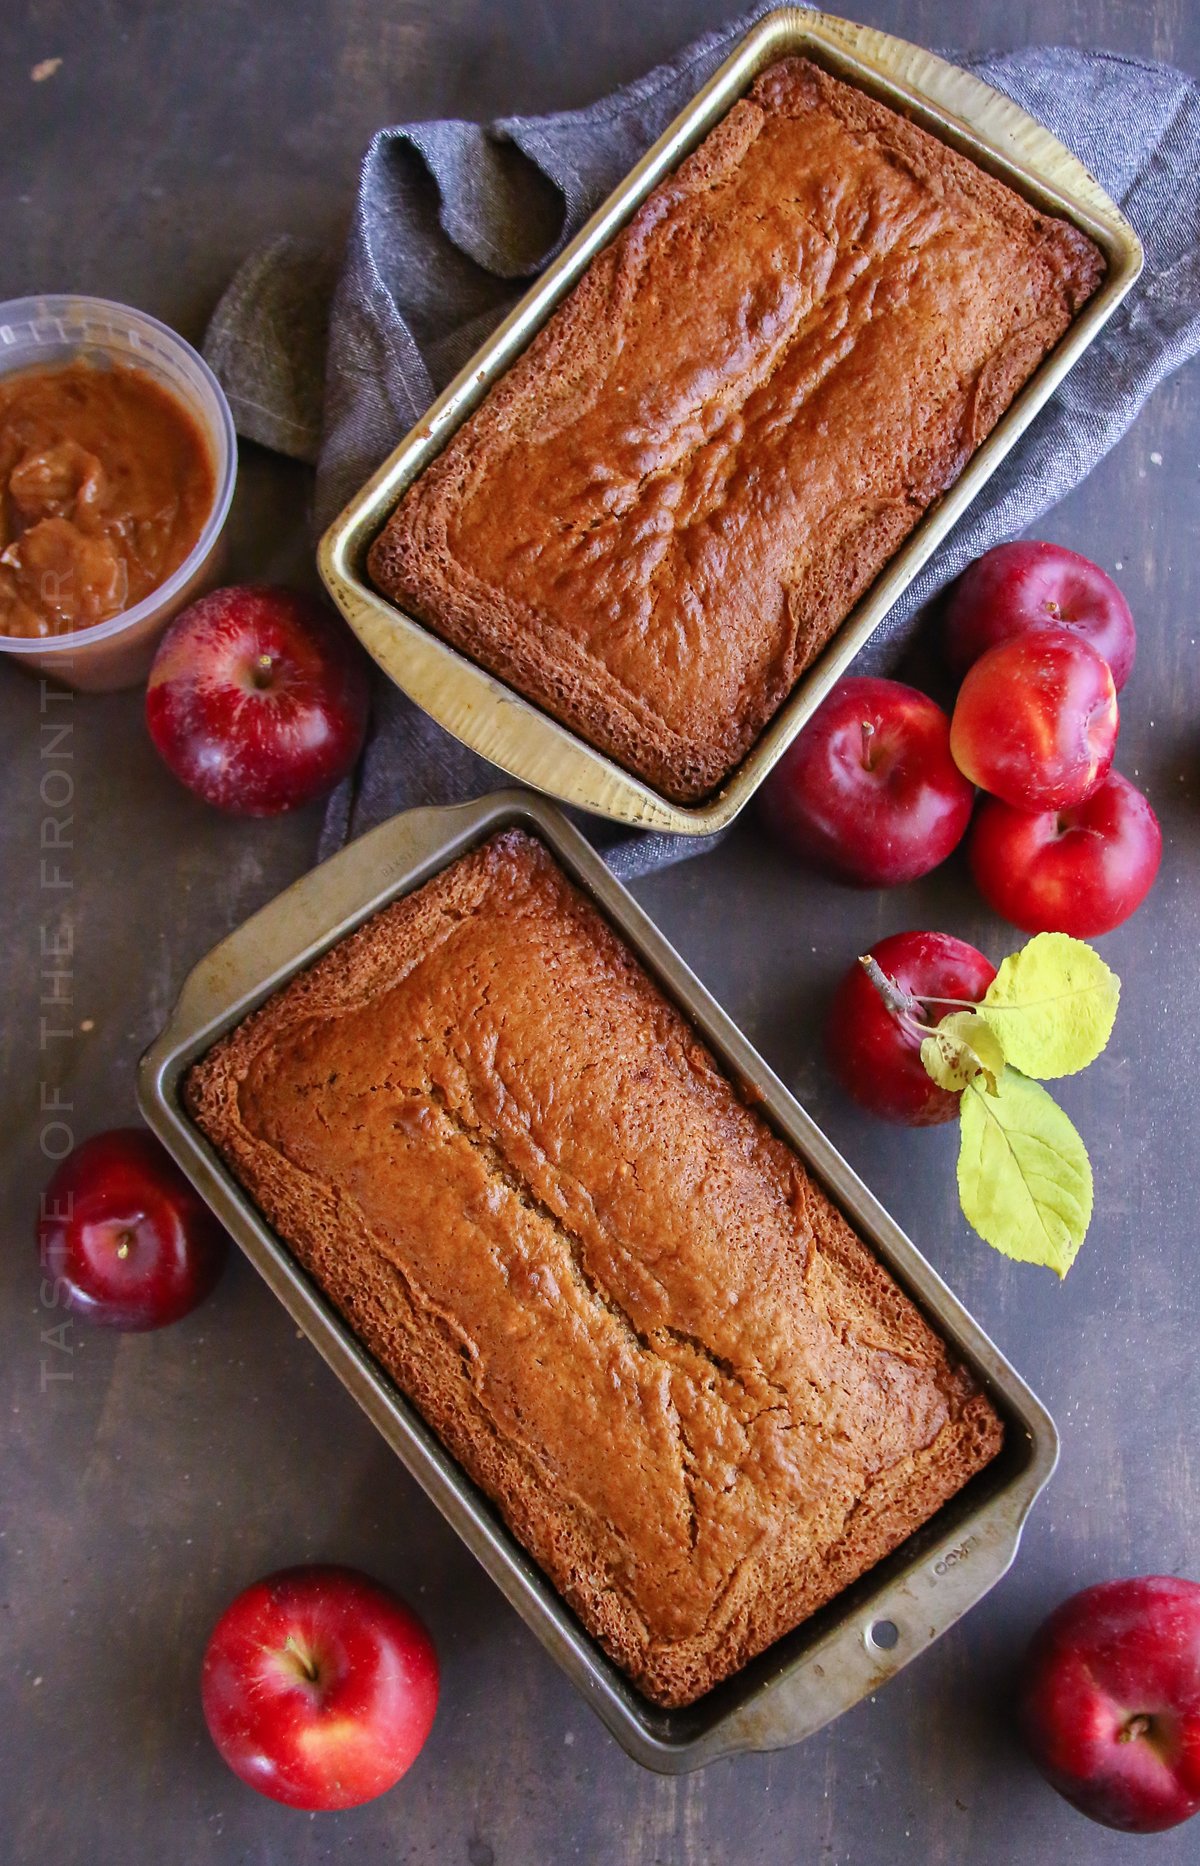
(663,510)
(695,1396)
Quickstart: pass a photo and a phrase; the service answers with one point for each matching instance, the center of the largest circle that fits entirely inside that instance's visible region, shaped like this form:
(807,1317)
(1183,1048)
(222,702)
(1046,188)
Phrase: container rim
(220,432)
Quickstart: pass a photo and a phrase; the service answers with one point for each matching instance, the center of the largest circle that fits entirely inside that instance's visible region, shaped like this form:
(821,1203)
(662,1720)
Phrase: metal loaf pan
(493,719)
(835,1658)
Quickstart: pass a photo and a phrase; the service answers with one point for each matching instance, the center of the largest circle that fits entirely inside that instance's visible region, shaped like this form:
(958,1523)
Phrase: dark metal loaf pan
(835,1658)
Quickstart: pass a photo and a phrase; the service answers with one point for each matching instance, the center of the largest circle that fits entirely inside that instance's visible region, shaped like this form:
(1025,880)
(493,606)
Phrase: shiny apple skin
(1035,722)
(257,699)
(876,813)
(1080,871)
(1119,1651)
(126,1241)
(874,1057)
(1031,584)
(319,1687)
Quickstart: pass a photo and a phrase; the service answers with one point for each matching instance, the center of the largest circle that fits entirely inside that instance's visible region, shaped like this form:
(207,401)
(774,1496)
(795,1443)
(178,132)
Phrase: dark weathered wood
(146,1479)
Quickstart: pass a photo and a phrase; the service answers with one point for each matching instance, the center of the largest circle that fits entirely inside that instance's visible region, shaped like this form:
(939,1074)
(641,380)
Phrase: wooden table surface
(147,1478)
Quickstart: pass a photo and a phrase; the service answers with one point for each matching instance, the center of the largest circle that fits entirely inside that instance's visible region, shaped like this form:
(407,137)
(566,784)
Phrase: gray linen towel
(453,219)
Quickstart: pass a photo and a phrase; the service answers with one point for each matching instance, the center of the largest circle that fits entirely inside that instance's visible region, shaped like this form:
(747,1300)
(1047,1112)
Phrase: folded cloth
(453,219)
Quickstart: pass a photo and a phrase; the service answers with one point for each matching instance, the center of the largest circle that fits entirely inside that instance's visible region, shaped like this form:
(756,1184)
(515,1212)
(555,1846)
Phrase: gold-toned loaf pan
(517,735)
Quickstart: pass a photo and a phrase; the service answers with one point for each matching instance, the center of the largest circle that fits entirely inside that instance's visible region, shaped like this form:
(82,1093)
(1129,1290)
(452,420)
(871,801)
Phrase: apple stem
(124,1245)
(1136,1727)
(868,734)
(304,1660)
(262,671)
(907,1010)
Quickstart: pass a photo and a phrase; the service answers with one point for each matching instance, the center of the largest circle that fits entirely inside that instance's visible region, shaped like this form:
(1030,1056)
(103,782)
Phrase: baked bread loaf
(692,1392)
(666,506)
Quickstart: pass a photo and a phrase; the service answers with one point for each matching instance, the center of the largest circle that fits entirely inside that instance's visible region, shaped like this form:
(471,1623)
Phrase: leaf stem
(962,1004)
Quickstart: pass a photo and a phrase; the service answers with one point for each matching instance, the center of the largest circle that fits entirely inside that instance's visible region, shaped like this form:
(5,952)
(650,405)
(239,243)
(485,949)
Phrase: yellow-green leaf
(1024,1178)
(962,1047)
(1052,1005)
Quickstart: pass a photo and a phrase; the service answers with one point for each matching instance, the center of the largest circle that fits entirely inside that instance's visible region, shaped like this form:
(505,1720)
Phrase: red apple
(1036,720)
(319,1687)
(875,1050)
(1029,585)
(868,791)
(257,699)
(1080,871)
(124,1237)
(1110,1702)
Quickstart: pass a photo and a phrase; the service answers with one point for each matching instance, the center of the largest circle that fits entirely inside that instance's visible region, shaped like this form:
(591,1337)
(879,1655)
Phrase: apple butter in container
(117,466)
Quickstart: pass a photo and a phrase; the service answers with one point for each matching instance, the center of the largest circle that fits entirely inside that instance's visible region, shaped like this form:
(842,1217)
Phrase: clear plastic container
(44,332)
